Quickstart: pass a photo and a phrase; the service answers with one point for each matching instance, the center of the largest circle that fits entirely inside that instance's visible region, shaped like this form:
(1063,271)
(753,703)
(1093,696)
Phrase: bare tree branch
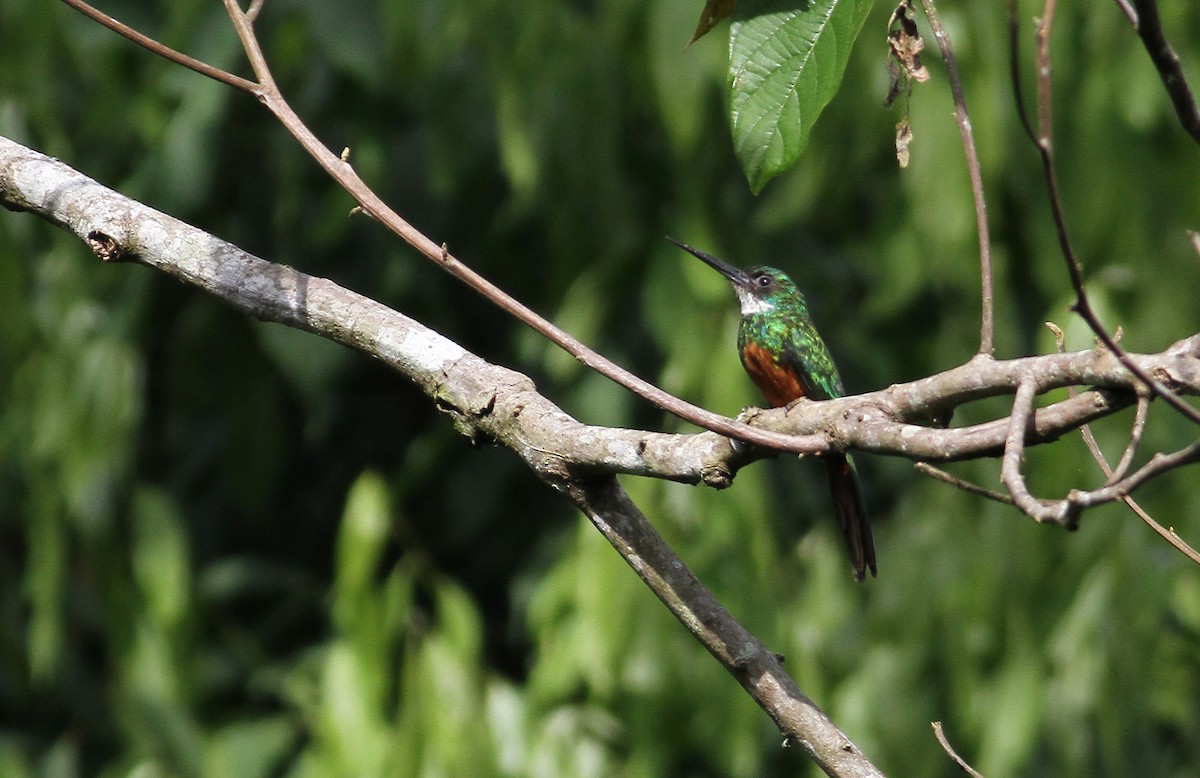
(487,402)
(939,732)
(1159,463)
(879,437)
(1115,476)
(1045,84)
(1135,438)
(493,403)
(1043,140)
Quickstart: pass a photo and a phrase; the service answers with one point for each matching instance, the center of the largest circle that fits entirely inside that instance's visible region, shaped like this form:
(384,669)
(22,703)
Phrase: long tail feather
(851,513)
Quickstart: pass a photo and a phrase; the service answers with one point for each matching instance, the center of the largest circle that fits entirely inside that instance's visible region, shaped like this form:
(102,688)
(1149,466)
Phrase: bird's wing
(813,363)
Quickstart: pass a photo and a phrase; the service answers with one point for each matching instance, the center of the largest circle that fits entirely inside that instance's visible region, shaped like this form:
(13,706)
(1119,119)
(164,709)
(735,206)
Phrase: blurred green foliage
(232,549)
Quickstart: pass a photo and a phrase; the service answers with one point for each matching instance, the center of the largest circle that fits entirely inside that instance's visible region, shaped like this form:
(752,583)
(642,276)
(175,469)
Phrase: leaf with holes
(786,59)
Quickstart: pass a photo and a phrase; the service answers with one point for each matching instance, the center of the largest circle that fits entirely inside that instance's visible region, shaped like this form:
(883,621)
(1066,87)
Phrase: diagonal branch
(1145,19)
(755,667)
(1112,476)
(487,402)
(944,741)
(1159,463)
(1135,440)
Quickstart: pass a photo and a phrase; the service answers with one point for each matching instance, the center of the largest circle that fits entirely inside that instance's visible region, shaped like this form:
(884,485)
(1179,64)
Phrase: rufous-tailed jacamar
(786,358)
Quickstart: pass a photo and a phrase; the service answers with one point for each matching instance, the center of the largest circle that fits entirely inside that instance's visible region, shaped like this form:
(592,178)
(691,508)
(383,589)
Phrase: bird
(786,358)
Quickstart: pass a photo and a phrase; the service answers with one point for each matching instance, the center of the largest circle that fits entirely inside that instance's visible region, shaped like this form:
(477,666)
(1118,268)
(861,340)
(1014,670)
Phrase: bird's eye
(764,281)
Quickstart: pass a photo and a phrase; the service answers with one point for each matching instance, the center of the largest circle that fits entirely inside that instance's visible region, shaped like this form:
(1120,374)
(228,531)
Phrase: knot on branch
(105,246)
(717,475)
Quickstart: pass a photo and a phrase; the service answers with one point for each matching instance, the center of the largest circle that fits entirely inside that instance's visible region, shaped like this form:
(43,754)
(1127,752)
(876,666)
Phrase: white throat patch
(751,304)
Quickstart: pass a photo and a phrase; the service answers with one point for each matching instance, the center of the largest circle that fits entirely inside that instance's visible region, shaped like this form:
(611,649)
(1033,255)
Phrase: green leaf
(786,59)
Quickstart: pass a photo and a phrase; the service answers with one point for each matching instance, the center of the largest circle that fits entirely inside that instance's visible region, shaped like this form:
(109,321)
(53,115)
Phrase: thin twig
(1113,477)
(949,749)
(1135,440)
(960,483)
(1082,306)
(1089,438)
(1159,463)
(987,326)
(1045,84)
(1166,534)
(166,52)
(1170,70)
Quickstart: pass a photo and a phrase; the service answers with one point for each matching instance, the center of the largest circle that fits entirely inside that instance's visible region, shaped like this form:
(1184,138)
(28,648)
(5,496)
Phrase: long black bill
(734,274)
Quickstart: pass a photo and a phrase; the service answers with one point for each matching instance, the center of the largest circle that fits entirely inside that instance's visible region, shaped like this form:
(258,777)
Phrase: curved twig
(987,326)
(950,752)
(1059,512)
(1159,463)
(1135,440)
